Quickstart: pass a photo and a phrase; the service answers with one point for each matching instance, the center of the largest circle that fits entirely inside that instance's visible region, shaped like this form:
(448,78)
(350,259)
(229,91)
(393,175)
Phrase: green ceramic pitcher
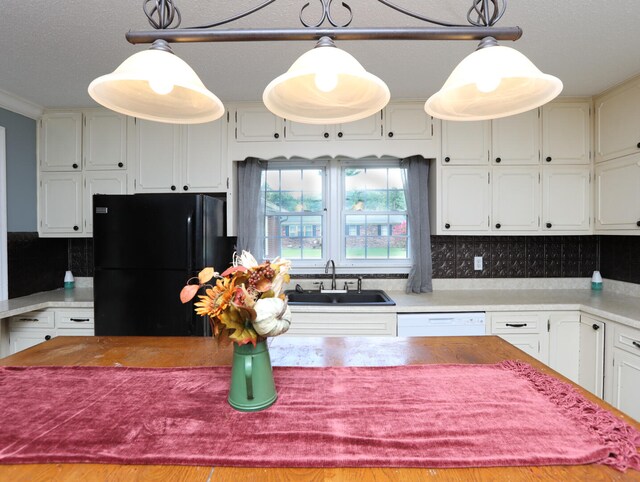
(252,385)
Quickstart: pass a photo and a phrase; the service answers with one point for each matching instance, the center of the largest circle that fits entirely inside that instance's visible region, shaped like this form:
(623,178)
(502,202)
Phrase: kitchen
(543,265)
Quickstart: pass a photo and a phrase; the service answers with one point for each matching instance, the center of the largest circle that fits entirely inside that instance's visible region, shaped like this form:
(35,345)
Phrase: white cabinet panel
(256,123)
(298,131)
(525,330)
(566,198)
(465,199)
(591,359)
(618,194)
(618,122)
(101,182)
(530,344)
(407,120)
(626,382)
(369,128)
(205,167)
(466,143)
(516,199)
(21,340)
(564,344)
(60,147)
(566,133)
(60,203)
(105,140)
(516,139)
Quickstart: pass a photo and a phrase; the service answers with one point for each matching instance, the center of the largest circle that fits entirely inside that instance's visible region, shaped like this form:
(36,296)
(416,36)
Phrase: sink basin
(350,298)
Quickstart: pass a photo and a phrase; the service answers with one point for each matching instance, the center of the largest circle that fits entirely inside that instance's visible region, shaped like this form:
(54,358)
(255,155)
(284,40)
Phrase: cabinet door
(626,382)
(618,194)
(407,120)
(105,182)
(591,359)
(516,199)
(566,133)
(516,139)
(618,122)
(369,128)
(465,199)
(21,340)
(530,344)
(61,141)
(564,344)
(255,123)
(466,143)
(297,131)
(205,167)
(61,203)
(566,198)
(105,140)
(154,149)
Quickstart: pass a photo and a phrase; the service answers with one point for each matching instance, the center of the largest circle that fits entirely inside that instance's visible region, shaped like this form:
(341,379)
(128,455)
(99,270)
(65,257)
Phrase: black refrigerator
(146,246)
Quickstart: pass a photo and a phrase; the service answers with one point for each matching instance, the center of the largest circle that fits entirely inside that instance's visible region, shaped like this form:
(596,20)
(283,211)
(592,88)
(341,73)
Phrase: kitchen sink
(348,298)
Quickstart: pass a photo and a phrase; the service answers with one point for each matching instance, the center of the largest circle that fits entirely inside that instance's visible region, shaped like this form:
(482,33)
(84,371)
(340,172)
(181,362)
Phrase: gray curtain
(415,177)
(251,202)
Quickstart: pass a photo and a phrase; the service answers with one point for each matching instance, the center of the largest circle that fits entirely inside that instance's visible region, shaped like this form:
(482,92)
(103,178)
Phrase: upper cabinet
(466,143)
(618,195)
(255,123)
(407,120)
(515,140)
(60,146)
(617,130)
(566,133)
(104,140)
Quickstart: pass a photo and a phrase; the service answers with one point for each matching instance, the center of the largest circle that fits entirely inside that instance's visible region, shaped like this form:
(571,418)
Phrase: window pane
(377,247)
(355,247)
(398,247)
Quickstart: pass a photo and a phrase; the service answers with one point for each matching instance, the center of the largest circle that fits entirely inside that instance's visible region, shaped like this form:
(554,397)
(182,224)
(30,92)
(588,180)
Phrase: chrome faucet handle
(319,284)
(359,284)
(347,284)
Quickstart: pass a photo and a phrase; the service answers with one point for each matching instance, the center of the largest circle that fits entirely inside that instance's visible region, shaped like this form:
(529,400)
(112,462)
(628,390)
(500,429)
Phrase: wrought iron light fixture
(325,85)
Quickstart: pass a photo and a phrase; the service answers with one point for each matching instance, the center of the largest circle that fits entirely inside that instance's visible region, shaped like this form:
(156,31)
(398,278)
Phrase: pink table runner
(406,416)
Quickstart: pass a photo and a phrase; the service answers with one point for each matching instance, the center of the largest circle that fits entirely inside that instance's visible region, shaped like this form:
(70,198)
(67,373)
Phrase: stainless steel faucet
(333,272)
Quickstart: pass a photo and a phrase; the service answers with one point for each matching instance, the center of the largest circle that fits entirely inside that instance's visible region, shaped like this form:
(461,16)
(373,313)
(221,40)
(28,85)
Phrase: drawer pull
(29,319)
(79,320)
(516,325)
(636,344)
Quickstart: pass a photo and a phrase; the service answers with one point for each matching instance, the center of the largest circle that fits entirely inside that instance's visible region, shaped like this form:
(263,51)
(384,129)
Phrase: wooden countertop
(288,351)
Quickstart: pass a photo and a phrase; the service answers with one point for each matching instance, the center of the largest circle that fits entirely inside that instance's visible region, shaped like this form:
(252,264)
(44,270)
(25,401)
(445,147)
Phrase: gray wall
(21,171)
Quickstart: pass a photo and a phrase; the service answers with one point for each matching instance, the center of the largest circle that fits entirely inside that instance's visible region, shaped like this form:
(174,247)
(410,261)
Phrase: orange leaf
(188,292)
(233,269)
(205,275)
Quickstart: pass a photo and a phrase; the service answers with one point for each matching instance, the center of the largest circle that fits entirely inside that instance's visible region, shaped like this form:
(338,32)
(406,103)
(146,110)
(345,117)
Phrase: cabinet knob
(636,344)
(75,228)
(390,134)
(185,188)
(447,159)
(595,327)
(276,135)
(447,226)
(549,225)
(47,337)
(498,226)
(638,224)
(548,159)
(75,166)
(340,134)
(638,145)
(120,164)
(173,188)
(498,160)
(325,135)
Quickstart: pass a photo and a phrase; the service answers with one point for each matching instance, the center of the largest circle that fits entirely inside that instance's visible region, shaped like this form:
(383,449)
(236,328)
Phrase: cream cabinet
(100,182)
(525,330)
(369,128)
(466,143)
(464,199)
(566,198)
(625,392)
(617,193)
(35,327)
(515,204)
(104,140)
(407,120)
(177,158)
(60,141)
(255,123)
(60,208)
(591,358)
(566,133)
(515,140)
(617,126)
(564,343)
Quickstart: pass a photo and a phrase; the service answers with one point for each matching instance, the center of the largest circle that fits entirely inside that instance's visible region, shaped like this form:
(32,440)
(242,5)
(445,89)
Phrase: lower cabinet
(32,328)
(624,392)
(591,363)
(525,330)
(343,324)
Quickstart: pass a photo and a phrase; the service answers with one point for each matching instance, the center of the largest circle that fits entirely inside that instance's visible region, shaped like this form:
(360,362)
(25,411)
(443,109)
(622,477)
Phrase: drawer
(33,319)
(75,332)
(627,338)
(74,319)
(516,323)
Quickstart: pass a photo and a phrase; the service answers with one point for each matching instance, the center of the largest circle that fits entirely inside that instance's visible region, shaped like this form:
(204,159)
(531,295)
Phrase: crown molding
(20,106)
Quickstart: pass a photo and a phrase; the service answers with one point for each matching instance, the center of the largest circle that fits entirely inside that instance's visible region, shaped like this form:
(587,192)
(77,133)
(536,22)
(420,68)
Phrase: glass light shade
(326,86)
(159,86)
(490,83)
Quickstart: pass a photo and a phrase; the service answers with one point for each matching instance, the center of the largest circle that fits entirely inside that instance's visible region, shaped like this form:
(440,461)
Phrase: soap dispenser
(596,281)
(69,281)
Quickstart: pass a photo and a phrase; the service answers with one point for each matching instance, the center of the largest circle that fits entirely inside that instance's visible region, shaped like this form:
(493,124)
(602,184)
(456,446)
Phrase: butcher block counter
(290,351)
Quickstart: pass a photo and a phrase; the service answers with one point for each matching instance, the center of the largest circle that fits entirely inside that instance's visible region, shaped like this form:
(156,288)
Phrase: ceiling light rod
(254,35)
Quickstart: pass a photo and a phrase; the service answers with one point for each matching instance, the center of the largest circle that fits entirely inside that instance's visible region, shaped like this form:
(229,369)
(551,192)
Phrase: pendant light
(326,86)
(492,82)
(157,85)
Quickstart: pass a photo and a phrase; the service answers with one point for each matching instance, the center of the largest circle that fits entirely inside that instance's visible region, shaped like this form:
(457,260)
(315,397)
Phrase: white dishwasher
(441,324)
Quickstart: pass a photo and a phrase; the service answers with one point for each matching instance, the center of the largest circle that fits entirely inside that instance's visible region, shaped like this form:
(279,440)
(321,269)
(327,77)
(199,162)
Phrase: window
(353,212)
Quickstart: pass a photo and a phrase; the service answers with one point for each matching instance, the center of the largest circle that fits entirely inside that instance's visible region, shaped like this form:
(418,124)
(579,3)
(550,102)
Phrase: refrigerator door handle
(190,242)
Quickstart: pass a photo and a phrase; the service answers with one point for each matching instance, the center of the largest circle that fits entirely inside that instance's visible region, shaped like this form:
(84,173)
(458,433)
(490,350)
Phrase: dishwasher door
(441,324)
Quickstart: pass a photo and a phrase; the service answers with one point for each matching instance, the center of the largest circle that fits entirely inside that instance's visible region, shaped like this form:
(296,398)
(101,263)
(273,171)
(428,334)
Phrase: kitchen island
(289,351)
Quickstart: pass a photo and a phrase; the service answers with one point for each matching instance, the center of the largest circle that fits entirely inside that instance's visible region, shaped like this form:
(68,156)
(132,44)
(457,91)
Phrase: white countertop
(613,306)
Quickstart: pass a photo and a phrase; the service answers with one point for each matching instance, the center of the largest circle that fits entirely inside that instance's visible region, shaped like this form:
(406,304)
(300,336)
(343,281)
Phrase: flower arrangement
(246,303)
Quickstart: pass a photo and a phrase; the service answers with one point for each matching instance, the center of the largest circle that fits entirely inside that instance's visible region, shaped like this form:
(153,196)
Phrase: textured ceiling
(52,49)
